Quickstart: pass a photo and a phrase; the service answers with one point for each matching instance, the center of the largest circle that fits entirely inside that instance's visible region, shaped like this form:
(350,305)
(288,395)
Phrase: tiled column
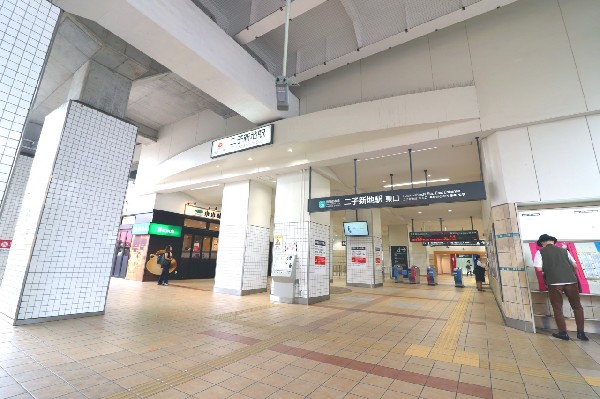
(244,235)
(369,274)
(511,289)
(12,205)
(25,34)
(59,264)
(418,257)
(301,231)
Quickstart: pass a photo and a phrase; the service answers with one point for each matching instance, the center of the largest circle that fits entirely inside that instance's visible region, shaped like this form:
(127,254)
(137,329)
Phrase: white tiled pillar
(12,205)
(369,273)
(245,230)
(25,34)
(60,260)
(304,234)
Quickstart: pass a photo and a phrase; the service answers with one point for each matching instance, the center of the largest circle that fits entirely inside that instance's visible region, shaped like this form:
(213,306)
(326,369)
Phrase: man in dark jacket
(560,270)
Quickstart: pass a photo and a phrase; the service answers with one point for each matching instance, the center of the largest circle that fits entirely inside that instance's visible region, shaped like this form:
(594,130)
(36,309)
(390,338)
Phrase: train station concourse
(299,199)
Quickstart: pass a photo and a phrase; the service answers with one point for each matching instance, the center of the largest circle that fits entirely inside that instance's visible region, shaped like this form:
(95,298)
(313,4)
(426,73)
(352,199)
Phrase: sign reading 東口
(460,192)
(444,236)
(242,141)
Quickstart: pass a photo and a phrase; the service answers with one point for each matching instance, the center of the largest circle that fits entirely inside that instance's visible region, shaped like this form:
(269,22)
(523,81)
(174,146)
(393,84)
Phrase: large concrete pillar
(244,235)
(364,255)
(303,234)
(59,264)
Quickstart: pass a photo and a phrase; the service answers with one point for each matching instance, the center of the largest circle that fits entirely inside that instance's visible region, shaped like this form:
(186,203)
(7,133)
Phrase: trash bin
(431,276)
(414,276)
(458,281)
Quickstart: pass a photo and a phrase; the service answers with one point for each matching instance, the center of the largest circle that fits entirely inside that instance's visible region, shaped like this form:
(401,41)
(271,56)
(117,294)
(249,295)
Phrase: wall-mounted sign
(455,244)
(343,243)
(460,192)
(568,224)
(193,210)
(358,256)
(444,236)
(5,245)
(156,229)
(242,141)
(128,220)
(320,250)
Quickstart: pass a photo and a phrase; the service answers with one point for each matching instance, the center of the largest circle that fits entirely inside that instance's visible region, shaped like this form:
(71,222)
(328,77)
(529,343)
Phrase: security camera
(282,92)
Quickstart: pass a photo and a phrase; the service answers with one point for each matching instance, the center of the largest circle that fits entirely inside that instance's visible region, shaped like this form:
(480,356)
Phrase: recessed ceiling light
(383,181)
(250,159)
(428,175)
(449,210)
(290,150)
(218,166)
(202,188)
(420,212)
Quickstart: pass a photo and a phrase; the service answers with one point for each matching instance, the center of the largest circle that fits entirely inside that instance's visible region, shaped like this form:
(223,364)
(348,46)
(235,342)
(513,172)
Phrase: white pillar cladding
(12,205)
(304,233)
(417,256)
(25,34)
(361,272)
(244,235)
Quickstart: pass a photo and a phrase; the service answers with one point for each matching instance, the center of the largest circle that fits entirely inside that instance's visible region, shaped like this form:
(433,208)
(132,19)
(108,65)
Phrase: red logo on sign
(5,244)
(320,260)
(377,260)
(220,145)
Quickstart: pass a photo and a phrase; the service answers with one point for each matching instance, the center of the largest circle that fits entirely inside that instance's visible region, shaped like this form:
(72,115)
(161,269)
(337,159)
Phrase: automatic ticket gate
(414,275)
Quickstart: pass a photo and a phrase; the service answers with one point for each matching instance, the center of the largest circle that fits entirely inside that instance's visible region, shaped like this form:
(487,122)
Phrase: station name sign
(459,192)
(242,141)
(193,210)
(462,236)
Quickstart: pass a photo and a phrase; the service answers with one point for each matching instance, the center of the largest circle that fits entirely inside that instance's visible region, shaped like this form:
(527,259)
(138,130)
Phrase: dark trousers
(164,276)
(556,299)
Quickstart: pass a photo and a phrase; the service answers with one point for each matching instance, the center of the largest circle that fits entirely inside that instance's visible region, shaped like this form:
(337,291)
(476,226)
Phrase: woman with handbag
(164,260)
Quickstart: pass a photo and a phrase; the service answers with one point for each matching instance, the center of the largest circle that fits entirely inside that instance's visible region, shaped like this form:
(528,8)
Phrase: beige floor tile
(433,393)
(214,392)
(323,392)
(194,386)
(259,390)
(368,391)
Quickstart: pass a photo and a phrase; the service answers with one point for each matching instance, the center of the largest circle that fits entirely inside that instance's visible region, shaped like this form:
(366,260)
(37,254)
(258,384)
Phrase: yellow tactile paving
(593,381)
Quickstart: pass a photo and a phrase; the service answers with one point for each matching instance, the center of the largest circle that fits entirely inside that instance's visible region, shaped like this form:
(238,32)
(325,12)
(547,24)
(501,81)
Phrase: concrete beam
(275,20)
(181,37)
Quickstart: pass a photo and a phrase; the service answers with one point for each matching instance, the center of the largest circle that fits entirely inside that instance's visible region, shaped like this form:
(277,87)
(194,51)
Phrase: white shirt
(537,263)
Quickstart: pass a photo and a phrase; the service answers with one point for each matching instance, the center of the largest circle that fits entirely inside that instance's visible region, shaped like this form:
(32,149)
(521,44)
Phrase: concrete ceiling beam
(181,37)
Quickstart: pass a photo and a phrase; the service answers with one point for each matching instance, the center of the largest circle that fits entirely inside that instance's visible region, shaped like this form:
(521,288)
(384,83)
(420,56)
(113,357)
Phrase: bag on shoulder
(160,259)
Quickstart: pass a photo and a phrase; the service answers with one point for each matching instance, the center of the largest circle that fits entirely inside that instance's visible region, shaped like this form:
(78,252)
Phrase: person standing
(468,267)
(165,264)
(560,274)
(479,271)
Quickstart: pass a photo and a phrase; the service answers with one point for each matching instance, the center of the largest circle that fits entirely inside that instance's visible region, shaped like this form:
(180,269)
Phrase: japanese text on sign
(242,141)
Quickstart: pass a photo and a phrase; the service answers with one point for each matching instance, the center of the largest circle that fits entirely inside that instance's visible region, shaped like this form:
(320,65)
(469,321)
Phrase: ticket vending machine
(283,278)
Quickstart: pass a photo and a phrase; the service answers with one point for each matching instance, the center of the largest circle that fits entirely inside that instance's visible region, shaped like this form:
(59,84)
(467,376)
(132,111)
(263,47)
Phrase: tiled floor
(399,341)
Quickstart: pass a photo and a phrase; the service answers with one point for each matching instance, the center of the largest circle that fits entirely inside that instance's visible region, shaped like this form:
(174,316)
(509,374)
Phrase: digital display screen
(444,236)
(356,228)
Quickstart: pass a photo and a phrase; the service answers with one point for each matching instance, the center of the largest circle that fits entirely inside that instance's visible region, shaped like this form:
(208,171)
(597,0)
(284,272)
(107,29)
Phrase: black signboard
(460,192)
(400,259)
(455,244)
(444,236)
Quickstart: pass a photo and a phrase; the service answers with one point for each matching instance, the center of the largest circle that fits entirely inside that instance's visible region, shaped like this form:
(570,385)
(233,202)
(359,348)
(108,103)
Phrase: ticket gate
(458,280)
(431,276)
(414,275)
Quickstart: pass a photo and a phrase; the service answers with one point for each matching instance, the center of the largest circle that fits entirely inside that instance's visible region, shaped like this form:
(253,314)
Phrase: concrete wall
(512,75)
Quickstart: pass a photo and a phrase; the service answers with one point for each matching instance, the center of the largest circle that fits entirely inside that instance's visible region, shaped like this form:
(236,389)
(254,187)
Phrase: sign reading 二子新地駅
(242,141)
(156,229)
(444,236)
(459,192)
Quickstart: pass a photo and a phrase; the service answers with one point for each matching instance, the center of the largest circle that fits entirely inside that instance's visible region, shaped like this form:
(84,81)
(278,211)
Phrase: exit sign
(156,229)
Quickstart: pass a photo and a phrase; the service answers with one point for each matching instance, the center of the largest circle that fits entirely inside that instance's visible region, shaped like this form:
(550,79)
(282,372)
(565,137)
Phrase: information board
(283,265)
(400,259)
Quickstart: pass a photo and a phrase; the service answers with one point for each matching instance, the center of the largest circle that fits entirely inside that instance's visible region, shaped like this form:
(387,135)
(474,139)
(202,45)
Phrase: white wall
(551,162)
(527,64)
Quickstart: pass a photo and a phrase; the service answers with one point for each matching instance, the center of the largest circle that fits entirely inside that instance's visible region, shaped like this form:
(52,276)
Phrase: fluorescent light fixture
(415,182)
(202,188)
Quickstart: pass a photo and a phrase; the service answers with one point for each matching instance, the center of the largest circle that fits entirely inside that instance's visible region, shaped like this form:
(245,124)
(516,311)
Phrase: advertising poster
(278,244)
(137,257)
(569,246)
(5,245)
(320,254)
(359,256)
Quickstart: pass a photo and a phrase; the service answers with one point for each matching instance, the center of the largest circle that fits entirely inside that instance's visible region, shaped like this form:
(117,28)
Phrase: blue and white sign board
(242,141)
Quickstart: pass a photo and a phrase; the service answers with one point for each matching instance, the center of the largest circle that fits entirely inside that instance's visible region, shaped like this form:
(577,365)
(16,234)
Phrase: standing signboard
(400,259)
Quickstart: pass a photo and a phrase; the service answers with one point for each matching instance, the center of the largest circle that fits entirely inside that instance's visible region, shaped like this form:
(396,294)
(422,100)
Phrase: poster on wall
(358,256)
(137,257)
(277,244)
(320,255)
